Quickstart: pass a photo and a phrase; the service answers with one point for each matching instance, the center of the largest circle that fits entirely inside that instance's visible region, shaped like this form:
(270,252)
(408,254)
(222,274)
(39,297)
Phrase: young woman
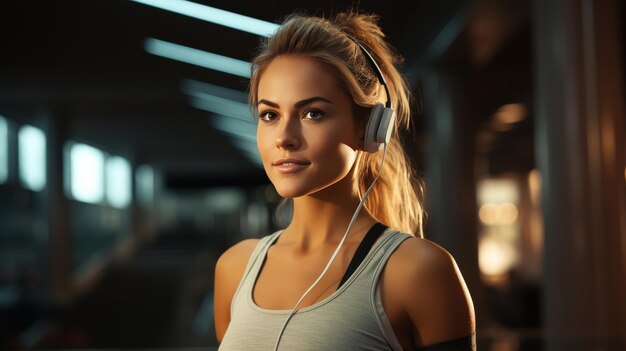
(328,97)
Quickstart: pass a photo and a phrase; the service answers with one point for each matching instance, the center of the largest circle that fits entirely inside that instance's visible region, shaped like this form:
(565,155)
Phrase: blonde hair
(397,198)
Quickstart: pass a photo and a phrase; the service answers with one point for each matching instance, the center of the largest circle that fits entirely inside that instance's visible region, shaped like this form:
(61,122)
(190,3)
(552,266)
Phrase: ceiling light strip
(197,57)
(214,15)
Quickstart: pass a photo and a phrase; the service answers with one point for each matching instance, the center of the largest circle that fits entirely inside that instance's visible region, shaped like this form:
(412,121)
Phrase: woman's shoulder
(240,253)
(235,258)
(429,283)
(242,250)
(419,251)
(412,255)
(425,261)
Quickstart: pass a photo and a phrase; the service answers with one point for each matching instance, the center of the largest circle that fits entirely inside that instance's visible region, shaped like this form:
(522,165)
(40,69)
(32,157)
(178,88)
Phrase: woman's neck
(321,219)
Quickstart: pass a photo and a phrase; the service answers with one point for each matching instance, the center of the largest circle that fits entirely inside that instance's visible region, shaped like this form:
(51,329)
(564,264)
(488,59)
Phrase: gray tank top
(352,318)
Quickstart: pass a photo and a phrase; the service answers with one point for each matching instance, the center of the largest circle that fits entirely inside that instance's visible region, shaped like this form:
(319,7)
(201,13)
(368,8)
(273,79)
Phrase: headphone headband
(377,71)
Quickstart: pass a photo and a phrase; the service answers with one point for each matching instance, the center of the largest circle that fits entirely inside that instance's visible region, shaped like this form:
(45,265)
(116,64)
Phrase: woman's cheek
(262,146)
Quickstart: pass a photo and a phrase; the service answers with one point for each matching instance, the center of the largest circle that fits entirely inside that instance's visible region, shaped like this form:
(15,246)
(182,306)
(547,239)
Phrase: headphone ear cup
(386,125)
(379,128)
(371,130)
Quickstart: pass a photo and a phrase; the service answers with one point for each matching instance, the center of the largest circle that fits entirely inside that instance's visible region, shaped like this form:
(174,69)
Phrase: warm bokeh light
(534,185)
(487,213)
(498,247)
(495,258)
(511,113)
(507,213)
(497,191)
(492,214)
(505,117)
(536,219)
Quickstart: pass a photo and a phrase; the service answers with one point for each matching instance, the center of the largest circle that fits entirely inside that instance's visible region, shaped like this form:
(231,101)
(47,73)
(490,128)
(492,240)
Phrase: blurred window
(32,157)
(145,184)
(118,182)
(86,173)
(4,150)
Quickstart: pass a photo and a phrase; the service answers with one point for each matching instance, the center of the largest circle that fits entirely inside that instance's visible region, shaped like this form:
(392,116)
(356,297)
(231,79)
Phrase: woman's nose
(287,142)
(288,137)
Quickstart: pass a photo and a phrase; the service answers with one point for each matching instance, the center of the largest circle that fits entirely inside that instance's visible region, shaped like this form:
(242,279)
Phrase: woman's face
(304,115)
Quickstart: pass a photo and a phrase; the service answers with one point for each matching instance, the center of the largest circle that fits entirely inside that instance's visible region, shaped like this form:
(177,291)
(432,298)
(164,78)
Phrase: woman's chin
(298,189)
(289,194)
(290,188)
(293,191)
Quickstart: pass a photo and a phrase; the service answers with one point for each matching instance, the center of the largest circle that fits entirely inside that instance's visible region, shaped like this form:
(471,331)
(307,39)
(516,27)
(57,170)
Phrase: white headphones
(377,134)
(381,120)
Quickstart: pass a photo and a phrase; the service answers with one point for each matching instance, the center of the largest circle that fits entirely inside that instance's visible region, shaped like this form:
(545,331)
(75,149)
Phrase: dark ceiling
(83,62)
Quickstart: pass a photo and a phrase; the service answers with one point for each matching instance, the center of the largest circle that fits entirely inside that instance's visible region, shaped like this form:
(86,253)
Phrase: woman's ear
(362,143)
(361,135)
(362,115)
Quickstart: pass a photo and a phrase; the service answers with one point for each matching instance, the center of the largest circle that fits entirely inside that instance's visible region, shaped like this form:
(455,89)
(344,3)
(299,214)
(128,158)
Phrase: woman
(317,85)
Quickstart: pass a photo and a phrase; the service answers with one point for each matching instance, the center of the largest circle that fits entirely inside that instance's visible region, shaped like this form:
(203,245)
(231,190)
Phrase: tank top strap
(252,261)
(365,278)
(382,251)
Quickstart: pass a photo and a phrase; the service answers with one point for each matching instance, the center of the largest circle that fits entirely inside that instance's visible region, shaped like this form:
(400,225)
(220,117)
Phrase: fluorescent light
(217,99)
(144,178)
(32,157)
(232,115)
(118,182)
(86,173)
(243,136)
(190,86)
(222,106)
(234,127)
(197,57)
(4,150)
(214,15)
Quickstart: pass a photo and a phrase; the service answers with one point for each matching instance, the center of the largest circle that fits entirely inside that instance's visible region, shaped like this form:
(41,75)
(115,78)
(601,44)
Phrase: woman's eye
(314,114)
(267,116)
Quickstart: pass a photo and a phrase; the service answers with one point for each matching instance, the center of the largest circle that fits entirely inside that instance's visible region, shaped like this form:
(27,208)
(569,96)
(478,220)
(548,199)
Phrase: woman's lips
(287,168)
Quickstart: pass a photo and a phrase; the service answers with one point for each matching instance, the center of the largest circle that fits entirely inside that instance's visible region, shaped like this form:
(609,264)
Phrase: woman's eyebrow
(312,99)
(267,102)
(298,104)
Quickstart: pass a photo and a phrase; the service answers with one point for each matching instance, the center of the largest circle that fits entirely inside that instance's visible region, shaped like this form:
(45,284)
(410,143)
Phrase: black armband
(465,343)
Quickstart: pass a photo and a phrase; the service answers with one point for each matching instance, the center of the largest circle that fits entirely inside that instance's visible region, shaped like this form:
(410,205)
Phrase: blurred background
(128,163)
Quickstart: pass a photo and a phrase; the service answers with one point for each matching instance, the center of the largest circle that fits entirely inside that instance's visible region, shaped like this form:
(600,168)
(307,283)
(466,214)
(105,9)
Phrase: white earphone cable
(336,250)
